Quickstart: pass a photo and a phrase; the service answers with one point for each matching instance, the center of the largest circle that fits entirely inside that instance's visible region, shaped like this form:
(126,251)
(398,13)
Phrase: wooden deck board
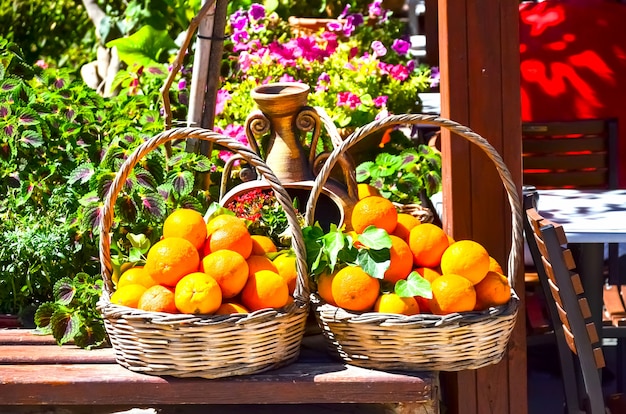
(34,372)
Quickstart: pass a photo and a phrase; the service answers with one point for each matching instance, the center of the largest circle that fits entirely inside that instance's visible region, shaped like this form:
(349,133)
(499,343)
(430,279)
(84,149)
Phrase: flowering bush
(264,215)
(358,67)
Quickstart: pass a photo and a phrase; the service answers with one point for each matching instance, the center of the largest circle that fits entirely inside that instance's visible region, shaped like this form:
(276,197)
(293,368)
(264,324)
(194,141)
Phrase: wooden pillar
(480,88)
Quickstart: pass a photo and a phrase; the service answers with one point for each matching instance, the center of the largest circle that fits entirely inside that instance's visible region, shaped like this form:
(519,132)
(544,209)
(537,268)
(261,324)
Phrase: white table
(590,219)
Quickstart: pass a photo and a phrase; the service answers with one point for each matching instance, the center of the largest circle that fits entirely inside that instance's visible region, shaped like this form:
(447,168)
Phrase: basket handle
(297,240)
(463,131)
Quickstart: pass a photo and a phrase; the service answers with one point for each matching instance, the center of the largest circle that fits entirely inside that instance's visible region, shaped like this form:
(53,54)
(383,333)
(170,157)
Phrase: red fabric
(573,64)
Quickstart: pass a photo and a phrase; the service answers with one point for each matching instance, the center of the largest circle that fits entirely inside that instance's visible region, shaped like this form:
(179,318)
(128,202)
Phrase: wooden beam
(479,61)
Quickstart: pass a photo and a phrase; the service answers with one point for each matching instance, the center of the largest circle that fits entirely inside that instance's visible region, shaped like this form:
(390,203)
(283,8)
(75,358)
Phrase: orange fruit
(233,237)
(170,259)
(401,262)
(428,273)
(158,298)
(188,224)
(135,275)
(493,290)
(128,295)
(229,269)
(286,266)
(427,242)
(354,289)
(197,293)
(466,258)
(405,223)
(262,245)
(265,289)
(228,308)
(366,190)
(223,220)
(374,211)
(324,287)
(494,266)
(392,303)
(452,293)
(256,263)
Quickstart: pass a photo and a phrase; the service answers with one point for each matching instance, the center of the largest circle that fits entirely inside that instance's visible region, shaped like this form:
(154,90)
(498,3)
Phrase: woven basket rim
(455,318)
(302,293)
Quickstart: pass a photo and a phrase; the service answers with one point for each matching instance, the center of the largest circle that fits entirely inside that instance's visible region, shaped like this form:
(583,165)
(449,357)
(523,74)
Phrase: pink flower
(42,64)
(378,48)
(234,131)
(286,78)
(399,72)
(381,101)
(223,96)
(348,99)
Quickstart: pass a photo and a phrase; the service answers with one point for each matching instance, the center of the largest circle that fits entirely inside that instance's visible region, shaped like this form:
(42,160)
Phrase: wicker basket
(453,342)
(208,346)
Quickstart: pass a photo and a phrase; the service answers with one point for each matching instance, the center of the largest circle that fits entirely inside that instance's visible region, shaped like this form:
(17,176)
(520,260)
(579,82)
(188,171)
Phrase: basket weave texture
(453,342)
(208,346)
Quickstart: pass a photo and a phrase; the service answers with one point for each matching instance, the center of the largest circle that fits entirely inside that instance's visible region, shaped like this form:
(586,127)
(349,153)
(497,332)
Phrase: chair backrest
(577,154)
(577,339)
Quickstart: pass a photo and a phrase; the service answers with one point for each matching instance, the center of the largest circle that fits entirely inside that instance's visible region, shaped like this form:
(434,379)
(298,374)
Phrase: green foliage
(400,178)
(414,285)
(37,250)
(60,147)
(328,252)
(72,315)
(57,31)
(146,47)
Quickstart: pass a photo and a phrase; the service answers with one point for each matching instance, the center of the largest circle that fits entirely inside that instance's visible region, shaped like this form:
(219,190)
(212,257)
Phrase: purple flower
(239,20)
(378,48)
(257,11)
(182,84)
(334,26)
(323,82)
(240,38)
(375,8)
(345,12)
(434,77)
(348,99)
(381,101)
(400,46)
(410,65)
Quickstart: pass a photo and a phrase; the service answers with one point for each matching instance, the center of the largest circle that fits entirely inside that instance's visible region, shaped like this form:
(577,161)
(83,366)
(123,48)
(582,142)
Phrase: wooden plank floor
(34,371)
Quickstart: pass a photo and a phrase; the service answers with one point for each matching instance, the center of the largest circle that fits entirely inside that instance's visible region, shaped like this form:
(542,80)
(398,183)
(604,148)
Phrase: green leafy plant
(264,215)
(73,315)
(331,251)
(400,178)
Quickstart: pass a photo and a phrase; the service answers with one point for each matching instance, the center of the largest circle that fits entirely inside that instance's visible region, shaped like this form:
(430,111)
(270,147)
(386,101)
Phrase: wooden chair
(580,351)
(573,154)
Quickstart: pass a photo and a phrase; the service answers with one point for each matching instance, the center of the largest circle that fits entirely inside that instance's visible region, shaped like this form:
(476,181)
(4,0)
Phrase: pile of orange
(462,274)
(208,268)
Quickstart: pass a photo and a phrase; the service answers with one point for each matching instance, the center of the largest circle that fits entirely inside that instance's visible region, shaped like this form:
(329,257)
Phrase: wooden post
(480,88)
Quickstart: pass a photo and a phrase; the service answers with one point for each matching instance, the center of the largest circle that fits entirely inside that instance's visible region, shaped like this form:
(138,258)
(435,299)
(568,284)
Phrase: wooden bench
(35,372)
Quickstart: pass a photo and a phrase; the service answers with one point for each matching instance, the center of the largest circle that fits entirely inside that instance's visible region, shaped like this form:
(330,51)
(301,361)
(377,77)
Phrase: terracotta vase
(281,125)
